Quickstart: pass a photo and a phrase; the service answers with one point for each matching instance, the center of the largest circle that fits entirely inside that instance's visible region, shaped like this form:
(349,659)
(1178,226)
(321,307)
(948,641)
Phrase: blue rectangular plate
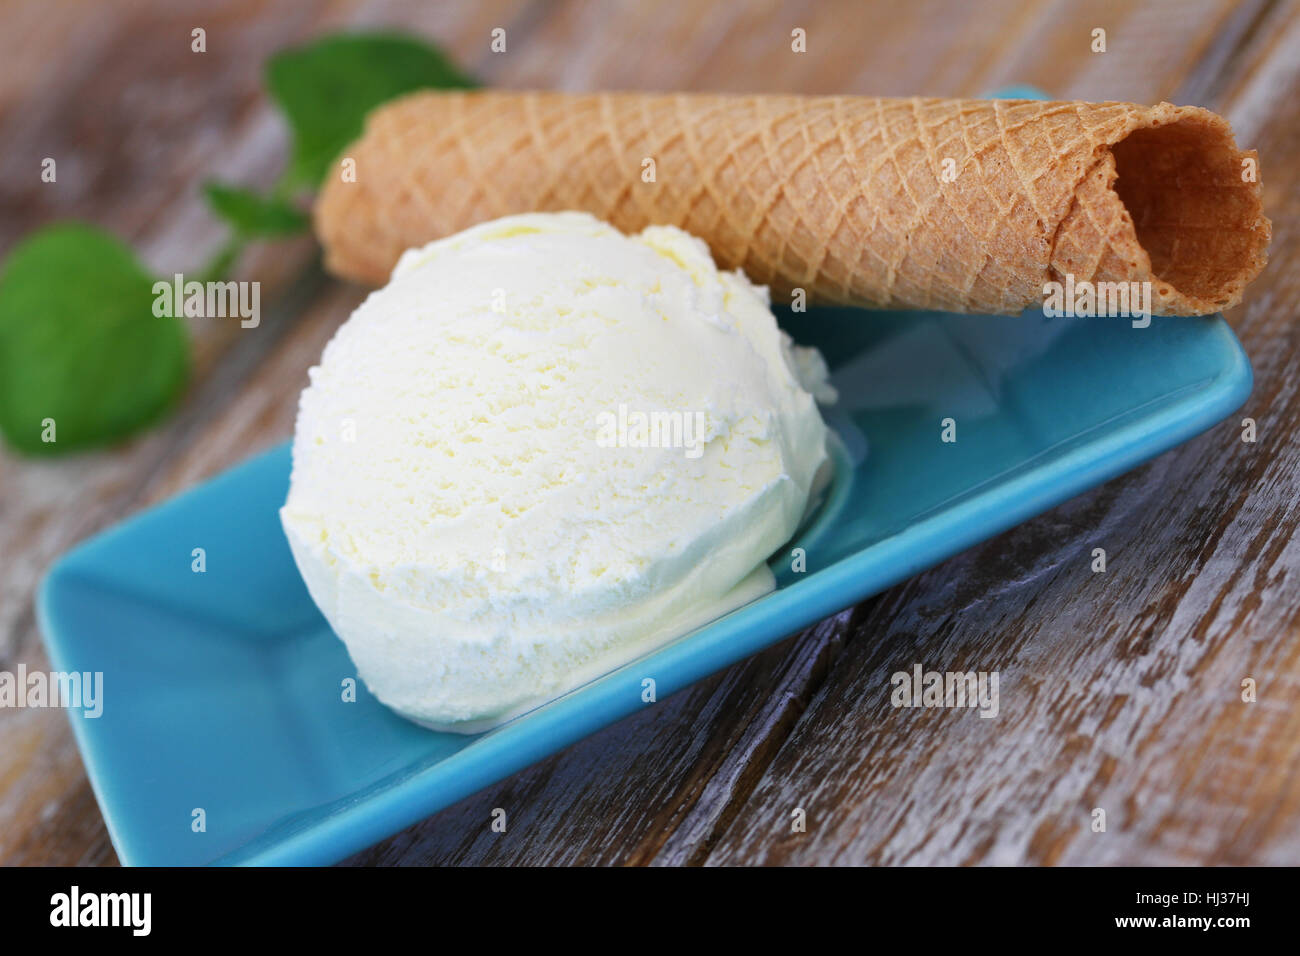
(222,690)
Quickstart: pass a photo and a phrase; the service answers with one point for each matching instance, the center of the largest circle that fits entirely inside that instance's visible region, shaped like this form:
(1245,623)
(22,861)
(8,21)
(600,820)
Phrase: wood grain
(1119,690)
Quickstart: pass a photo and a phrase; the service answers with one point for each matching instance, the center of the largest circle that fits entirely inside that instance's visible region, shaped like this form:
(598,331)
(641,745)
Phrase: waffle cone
(960,205)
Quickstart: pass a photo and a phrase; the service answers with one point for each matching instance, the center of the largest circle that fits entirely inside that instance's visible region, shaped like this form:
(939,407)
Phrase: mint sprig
(252,215)
(83,358)
(327,88)
(80,345)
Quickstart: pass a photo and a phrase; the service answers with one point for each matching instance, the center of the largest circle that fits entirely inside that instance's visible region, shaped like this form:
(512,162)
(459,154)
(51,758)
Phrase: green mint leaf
(252,215)
(80,346)
(327,88)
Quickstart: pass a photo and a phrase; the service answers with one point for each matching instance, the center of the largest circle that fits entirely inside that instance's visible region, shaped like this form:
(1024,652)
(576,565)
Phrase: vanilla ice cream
(543,449)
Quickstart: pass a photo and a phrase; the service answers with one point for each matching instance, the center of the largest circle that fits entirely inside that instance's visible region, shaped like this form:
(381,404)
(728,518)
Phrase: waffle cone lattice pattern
(961,205)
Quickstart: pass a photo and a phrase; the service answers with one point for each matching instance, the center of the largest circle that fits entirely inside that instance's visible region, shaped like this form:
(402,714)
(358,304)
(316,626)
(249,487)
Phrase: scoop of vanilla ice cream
(543,449)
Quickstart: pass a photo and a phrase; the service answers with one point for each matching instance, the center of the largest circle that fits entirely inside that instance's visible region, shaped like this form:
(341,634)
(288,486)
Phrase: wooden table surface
(1119,690)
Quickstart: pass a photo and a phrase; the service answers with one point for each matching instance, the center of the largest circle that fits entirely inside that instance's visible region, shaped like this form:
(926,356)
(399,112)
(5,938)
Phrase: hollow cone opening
(1194,214)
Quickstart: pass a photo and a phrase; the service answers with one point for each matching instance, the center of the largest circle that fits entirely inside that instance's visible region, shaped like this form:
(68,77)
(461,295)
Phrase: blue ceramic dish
(222,690)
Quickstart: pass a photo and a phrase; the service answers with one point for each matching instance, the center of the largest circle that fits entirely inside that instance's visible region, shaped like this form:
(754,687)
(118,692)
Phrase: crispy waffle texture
(960,205)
